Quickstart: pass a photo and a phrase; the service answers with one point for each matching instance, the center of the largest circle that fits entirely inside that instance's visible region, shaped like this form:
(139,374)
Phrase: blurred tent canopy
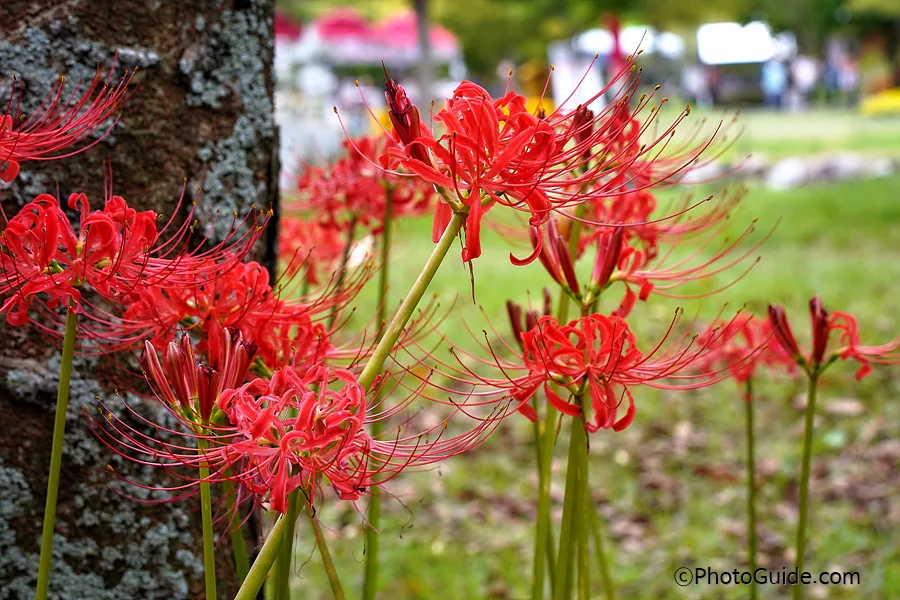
(344,35)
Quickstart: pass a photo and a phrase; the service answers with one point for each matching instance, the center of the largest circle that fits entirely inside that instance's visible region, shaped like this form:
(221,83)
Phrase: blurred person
(774,83)
(805,74)
(714,83)
(695,86)
(848,79)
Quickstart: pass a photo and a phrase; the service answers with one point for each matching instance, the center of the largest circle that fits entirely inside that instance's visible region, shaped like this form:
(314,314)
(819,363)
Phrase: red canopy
(341,23)
(401,30)
(285,27)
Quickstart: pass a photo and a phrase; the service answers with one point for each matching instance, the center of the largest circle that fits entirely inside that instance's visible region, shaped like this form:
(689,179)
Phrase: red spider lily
(289,332)
(823,324)
(410,196)
(281,453)
(746,348)
(193,388)
(495,152)
(480,158)
(289,432)
(338,194)
(242,298)
(594,358)
(59,123)
(117,252)
(631,256)
(353,190)
(309,246)
(43,254)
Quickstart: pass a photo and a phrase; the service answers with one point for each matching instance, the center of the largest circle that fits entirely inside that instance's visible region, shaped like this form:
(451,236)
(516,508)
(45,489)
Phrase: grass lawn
(670,487)
(782,134)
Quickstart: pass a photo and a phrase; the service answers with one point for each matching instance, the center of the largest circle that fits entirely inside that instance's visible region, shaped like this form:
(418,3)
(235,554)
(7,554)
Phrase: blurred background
(769,56)
(815,85)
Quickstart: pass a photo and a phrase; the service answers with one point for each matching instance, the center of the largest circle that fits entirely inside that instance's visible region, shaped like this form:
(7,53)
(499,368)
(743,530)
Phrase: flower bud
(782,331)
(819,317)
(608,251)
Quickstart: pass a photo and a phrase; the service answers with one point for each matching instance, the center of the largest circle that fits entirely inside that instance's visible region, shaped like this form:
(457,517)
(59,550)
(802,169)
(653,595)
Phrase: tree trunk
(201,112)
(426,62)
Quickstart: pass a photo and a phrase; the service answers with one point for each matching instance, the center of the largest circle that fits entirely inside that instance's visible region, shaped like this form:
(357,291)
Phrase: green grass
(781,134)
(818,131)
(669,487)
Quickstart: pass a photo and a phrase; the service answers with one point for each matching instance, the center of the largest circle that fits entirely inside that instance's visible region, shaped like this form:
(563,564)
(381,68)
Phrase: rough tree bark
(202,110)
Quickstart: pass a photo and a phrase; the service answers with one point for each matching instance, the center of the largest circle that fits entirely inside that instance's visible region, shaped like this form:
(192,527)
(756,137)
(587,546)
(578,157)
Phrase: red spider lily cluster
(59,123)
(334,202)
(284,430)
(584,177)
(494,152)
(258,376)
(270,392)
(747,348)
(269,384)
(254,374)
(118,253)
(594,361)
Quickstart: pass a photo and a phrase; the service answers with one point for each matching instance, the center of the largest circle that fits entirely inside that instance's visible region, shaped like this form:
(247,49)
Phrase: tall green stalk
(282,577)
(373,536)
(581,508)
(401,318)
(209,546)
(59,432)
(571,528)
(267,556)
(751,488)
(804,479)
(236,532)
(542,475)
(597,532)
(546,441)
(342,268)
(336,589)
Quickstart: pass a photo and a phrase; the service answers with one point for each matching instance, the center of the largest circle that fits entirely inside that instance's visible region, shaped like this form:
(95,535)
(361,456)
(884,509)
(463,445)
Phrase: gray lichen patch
(133,556)
(232,177)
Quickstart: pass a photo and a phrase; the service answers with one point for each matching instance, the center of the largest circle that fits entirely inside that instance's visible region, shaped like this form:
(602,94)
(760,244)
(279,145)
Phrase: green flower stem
(238,544)
(603,564)
(581,508)
(804,478)
(546,441)
(395,328)
(570,530)
(59,432)
(543,537)
(342,268)
(263,563)
(209,545)
(336,589)
(543,540)
(543,475)
(751,488)
(282,576)
(373,536)
(385,253)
